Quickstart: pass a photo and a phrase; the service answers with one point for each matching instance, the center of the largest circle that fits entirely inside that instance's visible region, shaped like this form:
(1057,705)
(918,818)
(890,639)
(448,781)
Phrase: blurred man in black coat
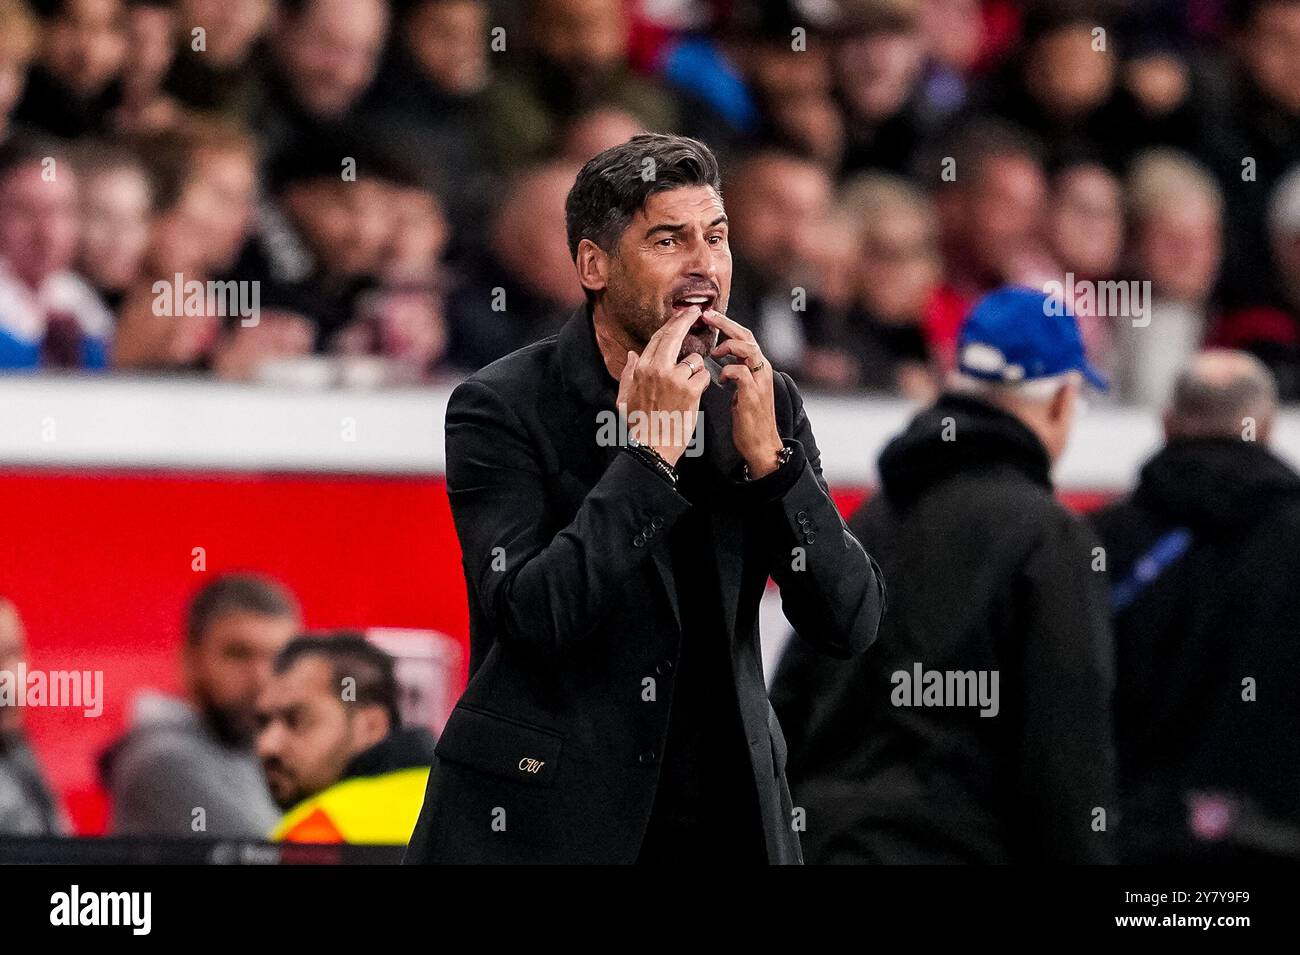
(616,710)
(1206,597)
(978,728)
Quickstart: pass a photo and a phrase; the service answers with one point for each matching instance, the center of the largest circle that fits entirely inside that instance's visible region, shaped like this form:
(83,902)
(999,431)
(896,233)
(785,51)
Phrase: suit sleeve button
(802,517)
(638,541)
(647,758)
(657,523)
(809,537)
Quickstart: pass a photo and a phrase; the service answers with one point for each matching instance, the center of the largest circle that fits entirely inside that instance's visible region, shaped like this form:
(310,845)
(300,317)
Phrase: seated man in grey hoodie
(186,767)
(27,807)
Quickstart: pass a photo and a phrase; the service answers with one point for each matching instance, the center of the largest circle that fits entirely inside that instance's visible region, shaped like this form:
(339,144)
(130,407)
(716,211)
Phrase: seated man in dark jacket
(977,729)
(1207,611)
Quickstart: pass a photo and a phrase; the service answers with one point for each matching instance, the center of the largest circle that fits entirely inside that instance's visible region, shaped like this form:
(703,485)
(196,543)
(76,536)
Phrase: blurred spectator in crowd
(27,807)
(1062,84)
(793,84)
(206,170)
(151,29)
(49,316)
(879,65)
(18,44)
(75,83)
(430,95)
(350,223)
(876,342)
(215,69)
(325,54)
(403,321)
(575,55)
(335,751)
(954,34)
(1176,243)
(116,199)
(524,288)
(1259,139)
(989,579)
(990,191)
(186,767)
(1085,231)
(1201,559)
(777,205)
(596,130)
(1270,328)
(242,352)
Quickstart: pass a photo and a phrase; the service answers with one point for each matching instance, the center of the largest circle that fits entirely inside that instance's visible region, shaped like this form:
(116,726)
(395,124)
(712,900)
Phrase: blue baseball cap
(1018,334)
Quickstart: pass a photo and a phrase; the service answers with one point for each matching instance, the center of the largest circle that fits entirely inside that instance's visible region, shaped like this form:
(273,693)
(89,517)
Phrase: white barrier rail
(200,425)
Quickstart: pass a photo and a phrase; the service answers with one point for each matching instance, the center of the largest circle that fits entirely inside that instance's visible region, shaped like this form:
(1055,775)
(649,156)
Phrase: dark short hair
(614,185)
(350,655)
(237,593)
(974,144)
(1242,13)
(29,149)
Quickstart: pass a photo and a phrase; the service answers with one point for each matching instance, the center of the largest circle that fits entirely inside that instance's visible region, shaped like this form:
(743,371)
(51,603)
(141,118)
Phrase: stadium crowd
(231,186)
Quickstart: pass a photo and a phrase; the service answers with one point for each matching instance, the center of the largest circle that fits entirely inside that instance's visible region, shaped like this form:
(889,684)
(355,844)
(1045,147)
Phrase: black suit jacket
(553,753)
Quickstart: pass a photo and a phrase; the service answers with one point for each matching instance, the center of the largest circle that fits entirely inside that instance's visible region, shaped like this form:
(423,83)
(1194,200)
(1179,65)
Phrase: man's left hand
(753,409)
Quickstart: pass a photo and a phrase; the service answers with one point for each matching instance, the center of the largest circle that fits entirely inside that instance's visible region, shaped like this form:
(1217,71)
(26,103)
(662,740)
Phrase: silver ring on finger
(691,365)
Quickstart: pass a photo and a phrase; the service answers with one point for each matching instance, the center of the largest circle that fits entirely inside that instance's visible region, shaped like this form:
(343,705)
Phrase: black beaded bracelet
(652,459)
(782,458)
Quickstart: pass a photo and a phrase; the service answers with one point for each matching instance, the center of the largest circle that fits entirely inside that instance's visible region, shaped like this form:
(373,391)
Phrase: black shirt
(706,806)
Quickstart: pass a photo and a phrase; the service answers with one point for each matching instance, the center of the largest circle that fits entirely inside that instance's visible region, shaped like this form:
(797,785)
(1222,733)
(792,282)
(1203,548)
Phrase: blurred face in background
(899,265)
(39,222)
(1270,49)
(225,180)
(581,36)
(953,31)
(331,51)
(115,226)
(877,72)
(307,735)
(796,90)
(149,32)
(345,223)
(998,217)
(229,667)
(13,651)
(86,45)
(530,239)
(18,42)
(597,130)
(778,206)
(1179,248)
(1066,75)
(448,39)
(232,26)
(417,234)
(1086,222)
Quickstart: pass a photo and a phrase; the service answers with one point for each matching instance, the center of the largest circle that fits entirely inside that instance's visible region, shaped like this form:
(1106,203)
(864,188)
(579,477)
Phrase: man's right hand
(658,395)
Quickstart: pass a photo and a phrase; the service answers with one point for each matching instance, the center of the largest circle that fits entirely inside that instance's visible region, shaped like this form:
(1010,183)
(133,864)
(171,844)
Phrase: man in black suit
(616,710)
